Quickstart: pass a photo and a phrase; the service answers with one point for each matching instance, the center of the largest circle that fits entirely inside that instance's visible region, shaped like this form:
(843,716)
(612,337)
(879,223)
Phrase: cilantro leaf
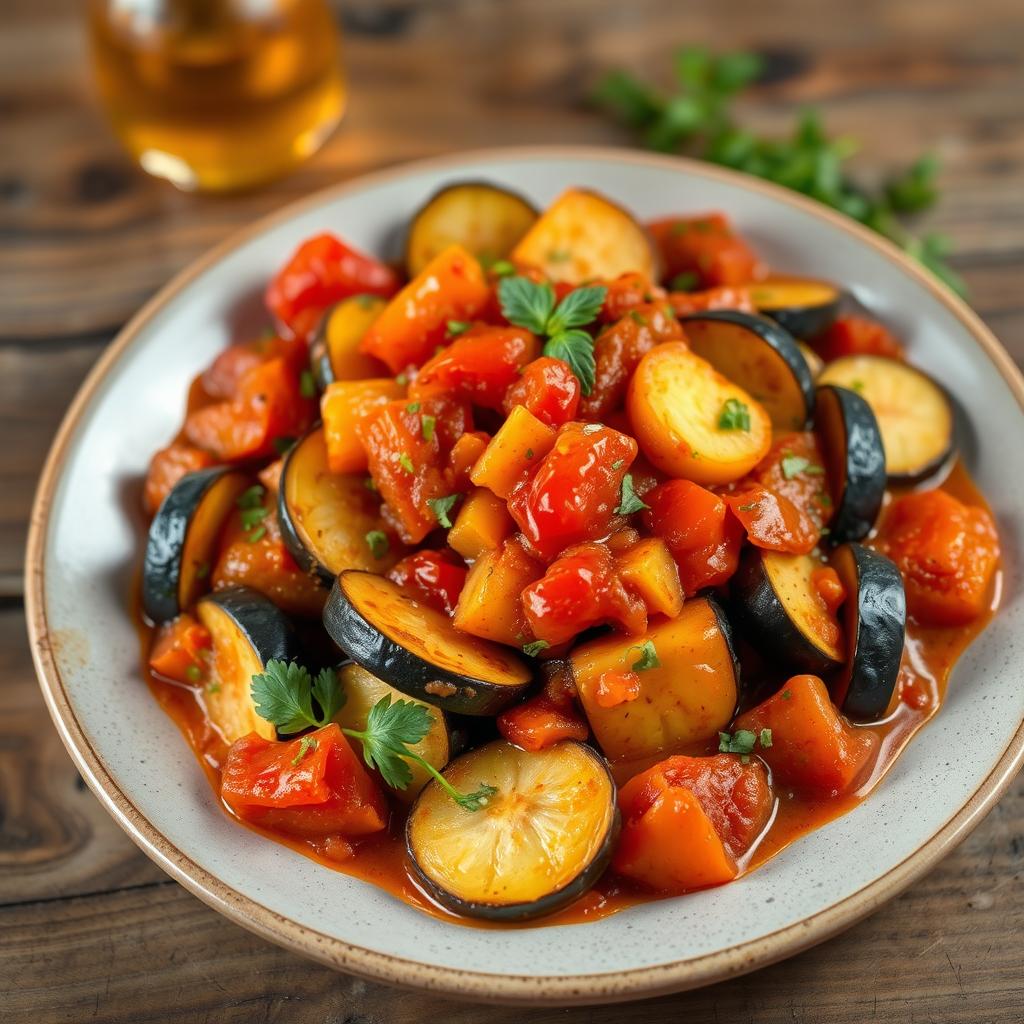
(282,694)
(378,543)
(648,656)
(576,348)
(578,308)
(629,502)
(740,742)
(441,507)
(534,648)
(794,465)
(734,415)
(526,303)
(306,744)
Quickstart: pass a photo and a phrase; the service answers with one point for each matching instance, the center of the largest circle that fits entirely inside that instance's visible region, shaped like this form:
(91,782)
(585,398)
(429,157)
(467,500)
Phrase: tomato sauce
(929,657)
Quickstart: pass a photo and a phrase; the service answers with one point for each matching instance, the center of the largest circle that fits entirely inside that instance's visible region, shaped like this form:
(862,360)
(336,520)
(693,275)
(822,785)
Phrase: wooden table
(89,928)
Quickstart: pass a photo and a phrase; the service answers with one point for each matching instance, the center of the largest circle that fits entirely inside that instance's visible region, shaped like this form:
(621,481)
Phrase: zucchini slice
(483,218)
(362,691)
(417,649)
(582,236)
(914,415)
(855,459)
(183,537)
(248,630)
(686,698)
(875,619)
(541,842)
(325,516)
(760,356)
(814,362)
(775,597)
(334,351)
(803,306)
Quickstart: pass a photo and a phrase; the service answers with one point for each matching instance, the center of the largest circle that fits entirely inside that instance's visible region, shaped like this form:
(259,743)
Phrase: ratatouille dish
(572,563)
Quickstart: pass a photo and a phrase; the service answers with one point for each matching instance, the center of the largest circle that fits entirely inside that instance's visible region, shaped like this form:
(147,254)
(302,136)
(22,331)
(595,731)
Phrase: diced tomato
(948,553)
(270,476)
(181,650)
(407,455)
(313,786)
(704,538)
(166,468)
(223,377)
(434,575)
(450,287)
(619,349)
(812,747)
(572,496)
(269,406)
(549,389)
(579,590)
(322,271)
(615,688)
(478,366)
(829,587)
(627,292)
(257,557)
(795,469)
(540,721)
(726,297)
(772,521)
(857,336)
(704,248)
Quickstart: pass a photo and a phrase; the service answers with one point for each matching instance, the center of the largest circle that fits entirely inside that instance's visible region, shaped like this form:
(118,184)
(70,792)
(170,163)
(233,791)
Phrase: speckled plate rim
(578,989)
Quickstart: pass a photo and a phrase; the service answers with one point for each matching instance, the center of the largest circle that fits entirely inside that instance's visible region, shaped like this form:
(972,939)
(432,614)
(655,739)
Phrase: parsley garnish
(307,386)
(377,542)
(787,694)
(857,385)
(648,656)
(441,507)
(617,465)
(370,484)
(457,327)
(764,737)
(748,508)
(251,497)
(427,425)
(413,407)
(405,461)
(306,744)
(529,453)
(734,415)
(402,379)
(532,305)
(365,301)
(252,513)
(534,648)
(502,268)
(629,502)
(684,282)
(638,318)
(743,741)
(794,465)
(193,673)
(288,697)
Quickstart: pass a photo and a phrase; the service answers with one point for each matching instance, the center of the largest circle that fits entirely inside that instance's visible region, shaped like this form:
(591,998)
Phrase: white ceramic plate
(85,544)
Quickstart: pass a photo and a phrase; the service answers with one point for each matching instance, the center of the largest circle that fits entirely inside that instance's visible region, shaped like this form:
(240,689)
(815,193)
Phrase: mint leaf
(629,501)
(526,303)
(441,507)
(576,348)
(578,308)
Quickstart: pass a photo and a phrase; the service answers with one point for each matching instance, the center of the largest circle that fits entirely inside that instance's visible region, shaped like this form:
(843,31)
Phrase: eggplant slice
(783,615)
(803,306)
(875,619)
(914,415)
(248,630)
(334,351)
(417,649)
(326,516)
(485,219)
(540,843)
(183,538)
(362,691)
(760,356)
(855,458)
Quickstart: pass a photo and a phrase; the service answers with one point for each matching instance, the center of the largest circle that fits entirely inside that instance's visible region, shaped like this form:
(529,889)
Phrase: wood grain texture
(89,928)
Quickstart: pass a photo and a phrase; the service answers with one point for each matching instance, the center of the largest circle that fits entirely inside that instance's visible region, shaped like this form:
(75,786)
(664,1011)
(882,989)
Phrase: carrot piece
(812,747)
(519,445)
(343,406)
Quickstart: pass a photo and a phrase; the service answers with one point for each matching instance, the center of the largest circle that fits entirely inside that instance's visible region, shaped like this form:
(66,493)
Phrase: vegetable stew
(573,564)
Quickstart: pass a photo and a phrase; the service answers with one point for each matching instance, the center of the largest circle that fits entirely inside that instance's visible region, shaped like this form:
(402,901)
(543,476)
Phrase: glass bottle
(218,94)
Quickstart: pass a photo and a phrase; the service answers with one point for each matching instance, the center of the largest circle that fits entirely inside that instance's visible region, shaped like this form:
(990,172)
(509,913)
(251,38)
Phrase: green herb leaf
(764,737)
(307,385)
(576,348)
(648,656)
(256,535)
(534,648)
(578,308)
(794,465)
(734,415)
(526,303)
(457,327)
(441,507)
(378,543)
(282,694)
(687,281)
(365,301)
(502,268)
(428,424)
(740,742)
(413,407)
(405,461)
(306,744)
(194,673)
(629,501)
(327,692)
(748,508)
(251,497)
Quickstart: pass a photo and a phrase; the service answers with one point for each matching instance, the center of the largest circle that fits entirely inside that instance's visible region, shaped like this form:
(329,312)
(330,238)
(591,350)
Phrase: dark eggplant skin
(875,614)
(407,671)
(765,621)
(512,912)
(292,541)
(161,566)
(768,332)
(320,354)
(266,628)
(729,634)
(807,321)
(855,457)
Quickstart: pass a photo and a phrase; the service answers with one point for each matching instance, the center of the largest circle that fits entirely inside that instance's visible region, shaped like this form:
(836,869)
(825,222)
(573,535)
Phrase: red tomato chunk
(166,468)
(705,249)
(181,650)
(549,389)
(434,576)
(858,336)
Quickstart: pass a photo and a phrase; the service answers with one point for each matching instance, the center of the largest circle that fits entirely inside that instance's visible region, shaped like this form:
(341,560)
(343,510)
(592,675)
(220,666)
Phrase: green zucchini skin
(757,330)
(265,627)
(855,456)
(407,671)
(806,321)
(514,912)
(161,567)
(305,559)
(875,616)
(763,617)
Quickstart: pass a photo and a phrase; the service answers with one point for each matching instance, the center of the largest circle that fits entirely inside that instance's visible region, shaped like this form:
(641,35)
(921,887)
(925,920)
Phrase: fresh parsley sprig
(530,304)
(286,695)
(697,119)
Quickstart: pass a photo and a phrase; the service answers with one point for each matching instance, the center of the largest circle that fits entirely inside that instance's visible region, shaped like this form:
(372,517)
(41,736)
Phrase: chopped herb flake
(441,507)
(306,744)
(648,656)
(405,461)
(629,501)
(427,425)
(734,415)
(534,648)
(307,386)
(377,542)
